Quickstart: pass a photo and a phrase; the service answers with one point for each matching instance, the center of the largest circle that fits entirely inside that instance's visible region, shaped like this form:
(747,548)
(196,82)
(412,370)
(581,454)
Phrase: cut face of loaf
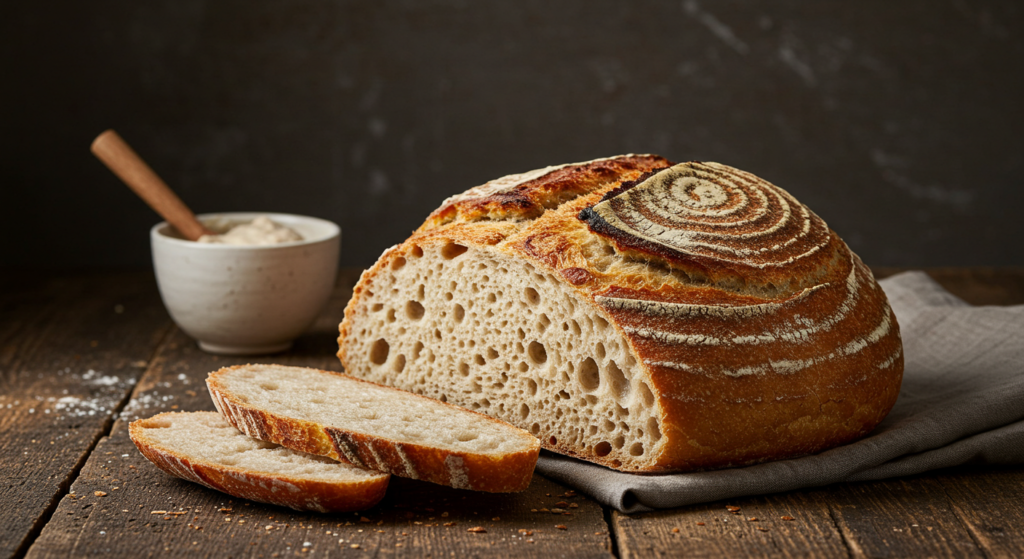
(375,427)
(644,316)
(203,448)
(499,335)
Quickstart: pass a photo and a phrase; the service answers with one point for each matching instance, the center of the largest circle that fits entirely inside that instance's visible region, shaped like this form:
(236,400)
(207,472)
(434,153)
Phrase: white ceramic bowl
(246,300)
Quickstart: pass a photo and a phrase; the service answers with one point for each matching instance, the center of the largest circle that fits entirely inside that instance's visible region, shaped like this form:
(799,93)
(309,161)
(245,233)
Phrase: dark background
(900,123)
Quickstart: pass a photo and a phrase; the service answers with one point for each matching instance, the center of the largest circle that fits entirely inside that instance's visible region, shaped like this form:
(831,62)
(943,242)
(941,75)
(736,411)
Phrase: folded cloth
(962,402)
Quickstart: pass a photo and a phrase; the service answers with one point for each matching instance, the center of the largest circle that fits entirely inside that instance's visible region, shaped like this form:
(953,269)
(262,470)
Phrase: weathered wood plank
(71,351)
(990,503)
(409,522)
(908,517)
(796,524)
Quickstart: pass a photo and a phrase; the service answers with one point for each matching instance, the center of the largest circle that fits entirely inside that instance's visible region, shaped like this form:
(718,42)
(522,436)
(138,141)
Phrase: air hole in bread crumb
(459,313)
(452,250)
(524,411)
(399,365)
(397,263)
(491,298)
(464,369)
(420,292)
(589,377)
(414,310)
(607,425)
(653,429)
(600,322)
(532,297)
(563,395)
(553,441)
(543,322)
(466,436)
(531,387)
(379,352)
(523,367)
(377,307)
(391,315)
(592,430)
(479,360)
(416,251)
(443,397)
(269,386)
(492,353)
(617,381)
(646,396)
(618,441)
(599,350)
(603,448)
(537,353)
(535,428)
(636,449)
(448,296)
(416,349)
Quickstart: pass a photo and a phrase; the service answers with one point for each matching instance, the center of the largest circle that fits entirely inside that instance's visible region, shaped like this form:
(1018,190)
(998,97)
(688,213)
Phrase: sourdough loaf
(635,313)
(374,427)
(203,448)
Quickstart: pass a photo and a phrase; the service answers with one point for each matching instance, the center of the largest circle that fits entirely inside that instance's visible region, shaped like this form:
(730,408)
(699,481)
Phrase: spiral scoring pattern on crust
(713,211)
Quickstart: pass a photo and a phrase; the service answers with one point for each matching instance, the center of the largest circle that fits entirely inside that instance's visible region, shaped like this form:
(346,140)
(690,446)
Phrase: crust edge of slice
(245,483)
(505,473)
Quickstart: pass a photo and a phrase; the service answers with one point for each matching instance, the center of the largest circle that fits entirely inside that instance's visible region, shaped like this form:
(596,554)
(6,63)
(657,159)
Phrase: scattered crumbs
(364,520)
(99,493)
(752,519)
(158,512)
(675,530)
(533,510)
(562,504)
(557,510)
(544,510)
(446,524)
(732,508)
(444,515)
(762,529)
(573,506)
(477,530)
(525,532)
(495,519)
(269,527)
(570,494)
(788,518)
(561,526)
(224,510)
(700,524)
(354,546)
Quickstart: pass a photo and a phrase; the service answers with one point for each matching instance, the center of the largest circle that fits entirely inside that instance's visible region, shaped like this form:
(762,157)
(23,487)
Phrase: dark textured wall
(900,123)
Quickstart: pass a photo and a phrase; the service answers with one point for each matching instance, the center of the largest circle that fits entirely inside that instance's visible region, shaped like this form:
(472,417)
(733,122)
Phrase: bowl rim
(333,231)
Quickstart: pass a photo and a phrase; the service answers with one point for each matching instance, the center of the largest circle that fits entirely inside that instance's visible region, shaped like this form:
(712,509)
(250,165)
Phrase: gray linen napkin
(962,402)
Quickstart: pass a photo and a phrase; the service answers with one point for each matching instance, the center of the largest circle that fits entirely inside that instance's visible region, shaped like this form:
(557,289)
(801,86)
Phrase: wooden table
(81,356)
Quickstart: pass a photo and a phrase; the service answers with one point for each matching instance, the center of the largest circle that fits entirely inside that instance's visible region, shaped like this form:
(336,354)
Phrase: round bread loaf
(638,314)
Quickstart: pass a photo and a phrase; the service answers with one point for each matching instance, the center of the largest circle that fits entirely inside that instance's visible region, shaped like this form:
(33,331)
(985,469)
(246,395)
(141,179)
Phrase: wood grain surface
(70,353)
(82,356)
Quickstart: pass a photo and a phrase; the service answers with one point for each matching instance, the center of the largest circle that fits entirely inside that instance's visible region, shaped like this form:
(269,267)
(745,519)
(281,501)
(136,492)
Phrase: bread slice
(203,448)
(646,316)
(374,427)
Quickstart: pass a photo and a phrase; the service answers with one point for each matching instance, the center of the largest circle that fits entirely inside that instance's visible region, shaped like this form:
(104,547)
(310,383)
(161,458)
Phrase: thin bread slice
(375,426)
(203,448)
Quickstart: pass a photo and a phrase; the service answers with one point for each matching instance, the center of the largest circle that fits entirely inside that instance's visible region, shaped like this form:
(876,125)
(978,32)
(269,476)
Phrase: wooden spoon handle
(120,158)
